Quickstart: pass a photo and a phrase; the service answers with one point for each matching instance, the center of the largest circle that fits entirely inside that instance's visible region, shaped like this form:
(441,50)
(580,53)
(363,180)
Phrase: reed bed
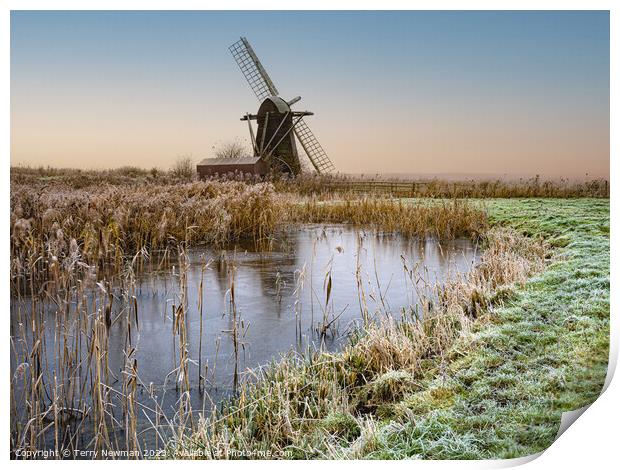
(55,227)
(91,232)
(441,219)
(325,405)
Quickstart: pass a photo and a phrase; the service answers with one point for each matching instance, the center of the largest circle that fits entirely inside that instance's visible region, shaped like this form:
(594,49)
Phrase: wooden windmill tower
(278,124)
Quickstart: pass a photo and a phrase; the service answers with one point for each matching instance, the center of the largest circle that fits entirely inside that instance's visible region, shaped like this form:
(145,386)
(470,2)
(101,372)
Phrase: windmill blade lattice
(252,69)
(317,156)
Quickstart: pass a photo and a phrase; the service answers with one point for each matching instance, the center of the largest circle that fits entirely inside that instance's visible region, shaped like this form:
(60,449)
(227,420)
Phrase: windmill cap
(279,103)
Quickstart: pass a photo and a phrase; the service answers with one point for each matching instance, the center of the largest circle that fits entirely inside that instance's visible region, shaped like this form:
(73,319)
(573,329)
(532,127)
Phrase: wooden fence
(598,188)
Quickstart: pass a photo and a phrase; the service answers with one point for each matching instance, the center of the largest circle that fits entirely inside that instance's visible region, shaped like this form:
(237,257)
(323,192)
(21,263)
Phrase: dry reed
(441,219)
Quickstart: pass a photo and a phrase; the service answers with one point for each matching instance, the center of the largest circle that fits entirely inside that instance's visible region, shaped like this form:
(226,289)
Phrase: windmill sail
(317,156)
(252,69)
(262,86)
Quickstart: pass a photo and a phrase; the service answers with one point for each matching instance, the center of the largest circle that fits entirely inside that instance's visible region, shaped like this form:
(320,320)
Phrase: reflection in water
(321,279)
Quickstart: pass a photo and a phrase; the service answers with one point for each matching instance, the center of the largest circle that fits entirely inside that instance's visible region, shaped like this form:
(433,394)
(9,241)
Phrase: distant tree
(231,149)
(183,167)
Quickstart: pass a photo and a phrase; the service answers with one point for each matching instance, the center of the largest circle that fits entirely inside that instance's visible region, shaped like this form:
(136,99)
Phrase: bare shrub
(231,149)
(183,167)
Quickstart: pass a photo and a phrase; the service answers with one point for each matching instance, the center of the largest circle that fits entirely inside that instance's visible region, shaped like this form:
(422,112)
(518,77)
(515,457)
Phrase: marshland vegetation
(440,383)
(327,186)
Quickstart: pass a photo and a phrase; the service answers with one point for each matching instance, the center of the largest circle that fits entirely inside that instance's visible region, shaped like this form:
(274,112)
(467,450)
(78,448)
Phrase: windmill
(278,125)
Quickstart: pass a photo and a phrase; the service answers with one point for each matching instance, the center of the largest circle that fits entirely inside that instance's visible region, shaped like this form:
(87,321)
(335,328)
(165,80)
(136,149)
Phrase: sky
(403,92)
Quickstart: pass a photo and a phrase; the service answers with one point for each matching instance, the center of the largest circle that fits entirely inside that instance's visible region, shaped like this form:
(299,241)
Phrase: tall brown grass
(58,227)
(442,219)
(95,230)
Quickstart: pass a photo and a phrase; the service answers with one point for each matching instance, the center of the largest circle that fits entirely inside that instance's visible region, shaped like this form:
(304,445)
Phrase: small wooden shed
(223,166)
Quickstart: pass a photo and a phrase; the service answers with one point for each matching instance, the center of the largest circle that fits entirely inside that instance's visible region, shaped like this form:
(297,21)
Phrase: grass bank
(487,383)
(545,352)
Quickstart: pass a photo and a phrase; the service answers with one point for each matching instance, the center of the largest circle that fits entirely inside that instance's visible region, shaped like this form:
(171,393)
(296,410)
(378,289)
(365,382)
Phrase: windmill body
(274,141)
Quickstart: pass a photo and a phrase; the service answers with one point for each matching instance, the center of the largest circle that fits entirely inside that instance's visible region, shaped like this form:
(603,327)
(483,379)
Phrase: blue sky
(411,92)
